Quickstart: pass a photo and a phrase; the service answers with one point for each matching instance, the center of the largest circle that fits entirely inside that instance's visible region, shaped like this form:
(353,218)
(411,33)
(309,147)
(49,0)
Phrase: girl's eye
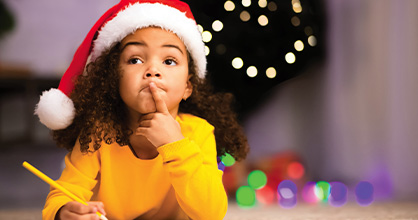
(134,61)
(170,62)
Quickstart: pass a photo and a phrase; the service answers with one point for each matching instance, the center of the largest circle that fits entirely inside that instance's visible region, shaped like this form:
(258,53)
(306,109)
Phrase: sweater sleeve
(194,174)
(79,177)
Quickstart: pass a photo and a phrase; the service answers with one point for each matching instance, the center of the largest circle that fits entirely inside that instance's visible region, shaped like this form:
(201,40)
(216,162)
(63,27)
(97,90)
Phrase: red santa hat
(56,110)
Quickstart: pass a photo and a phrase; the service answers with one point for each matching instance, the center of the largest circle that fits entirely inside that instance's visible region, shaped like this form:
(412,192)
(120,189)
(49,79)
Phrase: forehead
(154,35)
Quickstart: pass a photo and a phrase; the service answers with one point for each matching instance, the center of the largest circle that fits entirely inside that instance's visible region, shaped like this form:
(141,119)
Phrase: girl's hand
(76,210)
(160,127)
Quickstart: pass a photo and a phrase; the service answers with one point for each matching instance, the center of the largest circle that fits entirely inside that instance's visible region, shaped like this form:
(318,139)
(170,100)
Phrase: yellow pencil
(56,185)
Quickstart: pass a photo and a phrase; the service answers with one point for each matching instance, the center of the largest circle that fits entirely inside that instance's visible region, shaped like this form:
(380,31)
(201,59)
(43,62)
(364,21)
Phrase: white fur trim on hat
(142,15)
(55,109)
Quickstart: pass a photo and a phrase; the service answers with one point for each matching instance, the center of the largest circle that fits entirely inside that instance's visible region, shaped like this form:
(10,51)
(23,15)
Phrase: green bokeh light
(228,160)
(246,197)
(257,179)
(322,190)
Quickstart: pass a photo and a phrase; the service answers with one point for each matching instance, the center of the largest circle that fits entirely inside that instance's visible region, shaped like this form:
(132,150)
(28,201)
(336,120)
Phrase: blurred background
(325,89)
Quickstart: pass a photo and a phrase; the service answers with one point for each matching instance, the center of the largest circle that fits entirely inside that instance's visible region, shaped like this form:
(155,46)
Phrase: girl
(140,120)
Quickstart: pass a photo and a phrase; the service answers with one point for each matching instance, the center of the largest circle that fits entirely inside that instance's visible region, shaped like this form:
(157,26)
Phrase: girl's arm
(78,176)
(192,166)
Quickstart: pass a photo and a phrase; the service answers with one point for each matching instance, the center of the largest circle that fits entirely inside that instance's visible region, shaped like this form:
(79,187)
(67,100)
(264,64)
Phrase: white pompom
(55,110)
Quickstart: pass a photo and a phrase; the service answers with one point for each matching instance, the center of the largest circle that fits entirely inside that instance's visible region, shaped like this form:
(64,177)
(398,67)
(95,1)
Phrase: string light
(237,63)
(262,3)
(312,41)
(364,193)
(295,21)
(272,6)
(271,72)
(217,25)
(263,20)
(245,16)
(252,71)
(246,3)
(290,58)
(298,45)
(229,6)
(206,36)
(200,28)
(207,50)
(297,7)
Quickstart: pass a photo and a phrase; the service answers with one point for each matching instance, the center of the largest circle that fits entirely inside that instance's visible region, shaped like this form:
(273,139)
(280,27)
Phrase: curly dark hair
(100,111)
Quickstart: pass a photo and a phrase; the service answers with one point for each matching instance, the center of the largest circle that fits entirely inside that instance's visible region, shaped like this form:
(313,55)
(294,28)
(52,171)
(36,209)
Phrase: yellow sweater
(190,185)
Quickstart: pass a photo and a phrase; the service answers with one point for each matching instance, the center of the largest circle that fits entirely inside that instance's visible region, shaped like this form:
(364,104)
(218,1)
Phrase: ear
(189,89)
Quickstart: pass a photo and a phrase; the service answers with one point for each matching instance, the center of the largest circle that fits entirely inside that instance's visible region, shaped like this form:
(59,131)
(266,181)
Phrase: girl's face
(153,55)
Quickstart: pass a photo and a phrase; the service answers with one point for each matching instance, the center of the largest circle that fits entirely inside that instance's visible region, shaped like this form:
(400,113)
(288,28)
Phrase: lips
(146,87)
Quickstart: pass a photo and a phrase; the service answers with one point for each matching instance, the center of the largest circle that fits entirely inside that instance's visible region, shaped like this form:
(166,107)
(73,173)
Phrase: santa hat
(56,110)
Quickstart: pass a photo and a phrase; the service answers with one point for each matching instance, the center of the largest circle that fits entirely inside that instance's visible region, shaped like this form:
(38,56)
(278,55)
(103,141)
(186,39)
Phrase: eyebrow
(136,43)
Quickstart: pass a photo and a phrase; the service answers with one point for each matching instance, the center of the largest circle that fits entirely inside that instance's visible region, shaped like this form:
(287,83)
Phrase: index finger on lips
(159,102)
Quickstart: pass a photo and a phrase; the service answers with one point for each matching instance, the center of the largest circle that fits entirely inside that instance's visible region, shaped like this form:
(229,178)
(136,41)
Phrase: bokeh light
(272,6)
(312,41)
(271,72)
(364,193)
(265,195)
(200,28)
(220,49)
(245,16)
(246,3)
(206,36)
(252,71)
(287,192)
(263,20)
(237,63)
(322,190)
(245,196)
(228,160)
(338,194)
(308,193)
(295,170)
(257,179)
(217,25)
(298,45)
(290,58)
(295,21)
(207,50)
(297,8)
(229,6)
(262,3)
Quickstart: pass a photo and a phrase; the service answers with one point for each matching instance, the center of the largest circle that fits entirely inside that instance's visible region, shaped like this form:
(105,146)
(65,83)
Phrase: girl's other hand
(160,127)
(76,210)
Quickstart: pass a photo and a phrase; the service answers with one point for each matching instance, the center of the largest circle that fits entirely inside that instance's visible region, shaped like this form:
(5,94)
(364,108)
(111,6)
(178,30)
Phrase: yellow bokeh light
(217,25)
(237,63)
(299,45)
(262,3)
(246,3)
(252,71)
(245,16)
(271,72)
(290,58)
(200,28)
(229,6)
(297,7)
(312,41)
(207,50)
(263,20)
(206,36)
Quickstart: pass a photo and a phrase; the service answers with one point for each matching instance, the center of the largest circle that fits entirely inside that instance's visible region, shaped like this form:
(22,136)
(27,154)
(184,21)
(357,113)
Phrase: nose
(152,71)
